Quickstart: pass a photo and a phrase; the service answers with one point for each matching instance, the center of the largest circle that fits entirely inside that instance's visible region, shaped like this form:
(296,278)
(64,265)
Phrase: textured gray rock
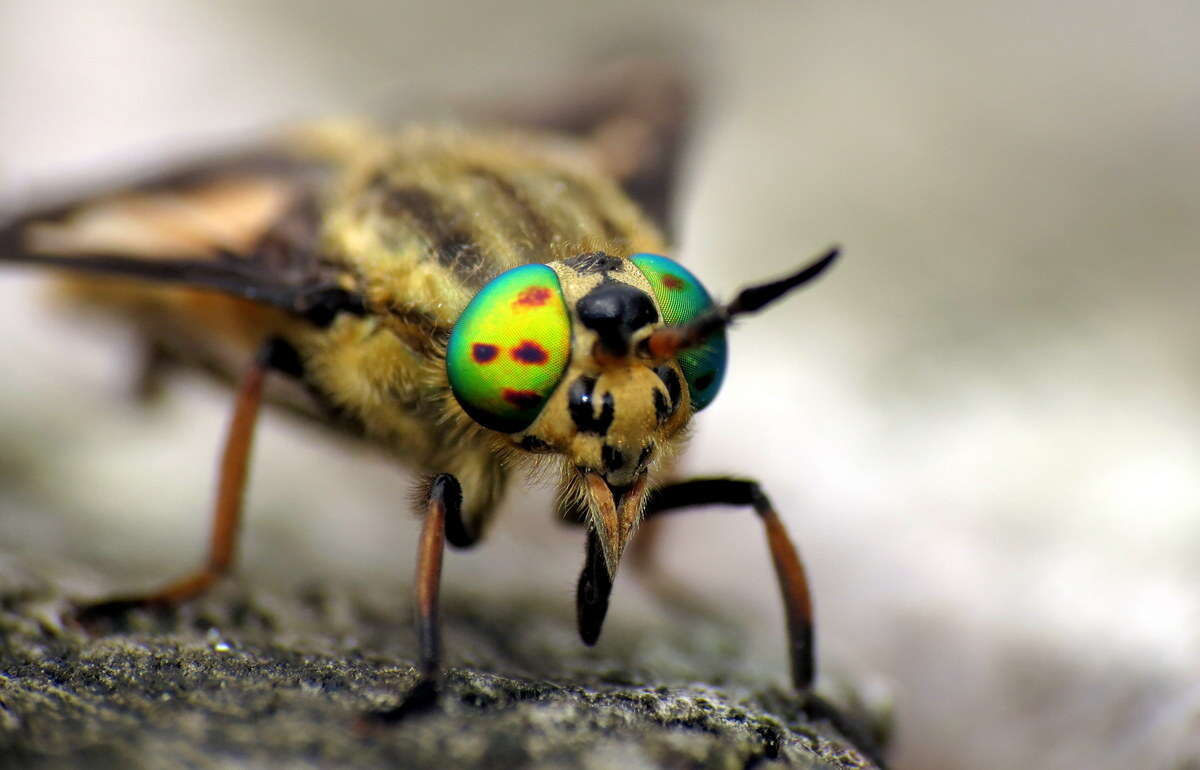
(252,678)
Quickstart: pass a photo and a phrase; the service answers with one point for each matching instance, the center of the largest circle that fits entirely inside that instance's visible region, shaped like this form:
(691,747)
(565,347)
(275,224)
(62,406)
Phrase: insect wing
(247,228)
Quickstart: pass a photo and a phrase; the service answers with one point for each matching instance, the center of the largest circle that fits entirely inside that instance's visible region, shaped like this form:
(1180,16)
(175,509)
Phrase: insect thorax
(418,225)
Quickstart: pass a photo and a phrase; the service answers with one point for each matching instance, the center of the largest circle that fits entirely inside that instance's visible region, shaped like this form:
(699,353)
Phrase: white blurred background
(981,427)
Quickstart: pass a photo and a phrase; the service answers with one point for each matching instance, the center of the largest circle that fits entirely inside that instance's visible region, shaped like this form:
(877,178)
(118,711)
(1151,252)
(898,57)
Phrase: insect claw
(422,698)
(106,616)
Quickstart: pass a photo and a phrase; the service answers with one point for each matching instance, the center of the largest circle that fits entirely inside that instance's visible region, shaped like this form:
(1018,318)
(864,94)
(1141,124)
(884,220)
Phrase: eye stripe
(529,352)
(522,399)
(484,353)
(662,409)
(612,458)
(534,296)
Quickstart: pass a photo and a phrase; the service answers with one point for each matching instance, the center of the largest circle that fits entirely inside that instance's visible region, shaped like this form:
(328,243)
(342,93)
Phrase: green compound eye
(509,348)
(681,298)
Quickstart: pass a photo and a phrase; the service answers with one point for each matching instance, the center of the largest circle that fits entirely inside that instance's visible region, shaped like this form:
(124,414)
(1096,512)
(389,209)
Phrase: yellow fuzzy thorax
(417,222)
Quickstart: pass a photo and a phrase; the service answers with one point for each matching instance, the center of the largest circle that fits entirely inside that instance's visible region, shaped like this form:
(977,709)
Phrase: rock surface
(247,677)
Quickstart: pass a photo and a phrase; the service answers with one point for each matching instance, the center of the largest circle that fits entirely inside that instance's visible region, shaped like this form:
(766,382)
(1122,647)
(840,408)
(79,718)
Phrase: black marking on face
(595,262)
(662,407)
(619,491)
(615,311)
(674,389)
(532,443)
(613,458)
(583,409)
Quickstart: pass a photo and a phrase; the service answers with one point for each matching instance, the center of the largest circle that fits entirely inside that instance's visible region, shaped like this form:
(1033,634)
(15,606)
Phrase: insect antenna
(670,340)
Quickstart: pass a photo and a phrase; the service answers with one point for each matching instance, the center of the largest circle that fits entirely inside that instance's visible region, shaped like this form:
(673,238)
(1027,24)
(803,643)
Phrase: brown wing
(635,113)
(247,227)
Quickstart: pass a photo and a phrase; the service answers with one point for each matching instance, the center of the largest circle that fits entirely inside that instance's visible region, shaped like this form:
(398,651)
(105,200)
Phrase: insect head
(602,360)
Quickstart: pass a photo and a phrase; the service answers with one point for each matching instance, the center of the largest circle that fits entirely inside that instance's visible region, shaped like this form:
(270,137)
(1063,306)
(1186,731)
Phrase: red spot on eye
(672,282)
(521,399)
(529,352)
(484,353)
(534,296)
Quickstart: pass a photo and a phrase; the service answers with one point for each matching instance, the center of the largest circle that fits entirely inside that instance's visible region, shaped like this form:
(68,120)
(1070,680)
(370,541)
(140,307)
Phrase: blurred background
(981,426)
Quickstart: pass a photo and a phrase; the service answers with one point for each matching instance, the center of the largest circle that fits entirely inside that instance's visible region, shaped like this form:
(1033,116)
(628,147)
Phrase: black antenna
(668,341)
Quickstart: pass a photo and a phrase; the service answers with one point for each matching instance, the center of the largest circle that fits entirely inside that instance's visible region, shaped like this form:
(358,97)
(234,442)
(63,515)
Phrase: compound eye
(509,348)
(680,299)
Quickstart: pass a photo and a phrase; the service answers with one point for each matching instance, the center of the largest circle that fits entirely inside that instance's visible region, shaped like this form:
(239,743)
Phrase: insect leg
(594,586)
(443,513)
(444,504)
(793,583)
(231,483)
(459,533)
(152,368)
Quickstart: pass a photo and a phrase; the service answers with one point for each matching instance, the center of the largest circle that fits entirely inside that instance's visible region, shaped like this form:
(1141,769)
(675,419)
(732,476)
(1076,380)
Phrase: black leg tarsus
(458,534)
(421,699)
(108,615)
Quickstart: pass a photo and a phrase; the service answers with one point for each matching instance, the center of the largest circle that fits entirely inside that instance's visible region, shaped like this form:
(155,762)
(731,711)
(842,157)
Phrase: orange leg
(228,507)
(429,572)
(444,514)
(793,583)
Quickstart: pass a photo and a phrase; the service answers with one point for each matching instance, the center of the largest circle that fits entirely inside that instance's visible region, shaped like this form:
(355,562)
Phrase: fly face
(556,356)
